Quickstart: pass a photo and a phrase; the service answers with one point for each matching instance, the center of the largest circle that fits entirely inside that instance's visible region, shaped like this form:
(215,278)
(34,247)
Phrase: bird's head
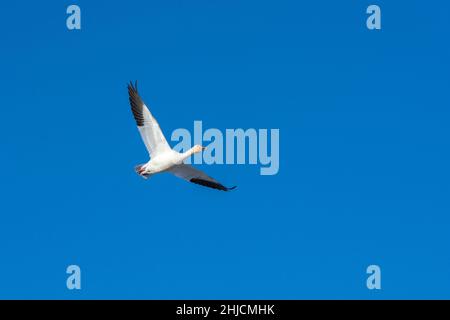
(198,148)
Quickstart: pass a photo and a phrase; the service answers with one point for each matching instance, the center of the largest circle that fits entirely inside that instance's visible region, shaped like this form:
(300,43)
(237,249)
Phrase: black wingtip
(211,184)
(132,86)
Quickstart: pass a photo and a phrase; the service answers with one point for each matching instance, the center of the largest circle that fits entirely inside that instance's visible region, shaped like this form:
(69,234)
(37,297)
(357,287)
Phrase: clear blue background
(364,149)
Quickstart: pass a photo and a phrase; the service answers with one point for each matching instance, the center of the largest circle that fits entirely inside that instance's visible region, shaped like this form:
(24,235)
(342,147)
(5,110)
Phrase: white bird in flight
(162,157)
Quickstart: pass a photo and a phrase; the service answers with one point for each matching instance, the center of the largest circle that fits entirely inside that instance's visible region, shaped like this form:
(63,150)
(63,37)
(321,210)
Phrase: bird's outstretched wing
(189,173)
(149,128)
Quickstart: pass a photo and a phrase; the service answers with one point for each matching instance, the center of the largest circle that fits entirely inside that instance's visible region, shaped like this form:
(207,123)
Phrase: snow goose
(162,157)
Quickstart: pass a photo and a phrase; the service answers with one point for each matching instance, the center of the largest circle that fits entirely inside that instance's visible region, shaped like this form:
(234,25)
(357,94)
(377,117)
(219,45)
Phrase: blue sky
(364,150)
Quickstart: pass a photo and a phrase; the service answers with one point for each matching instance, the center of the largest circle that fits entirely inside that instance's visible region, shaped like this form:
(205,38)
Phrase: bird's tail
(139,170)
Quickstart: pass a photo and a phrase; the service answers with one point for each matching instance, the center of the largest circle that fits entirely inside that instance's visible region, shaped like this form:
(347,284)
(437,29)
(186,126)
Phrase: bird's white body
(162,157)
(164,162)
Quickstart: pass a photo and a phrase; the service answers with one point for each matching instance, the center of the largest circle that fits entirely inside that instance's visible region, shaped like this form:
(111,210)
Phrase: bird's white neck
(189,153)
(195,149)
